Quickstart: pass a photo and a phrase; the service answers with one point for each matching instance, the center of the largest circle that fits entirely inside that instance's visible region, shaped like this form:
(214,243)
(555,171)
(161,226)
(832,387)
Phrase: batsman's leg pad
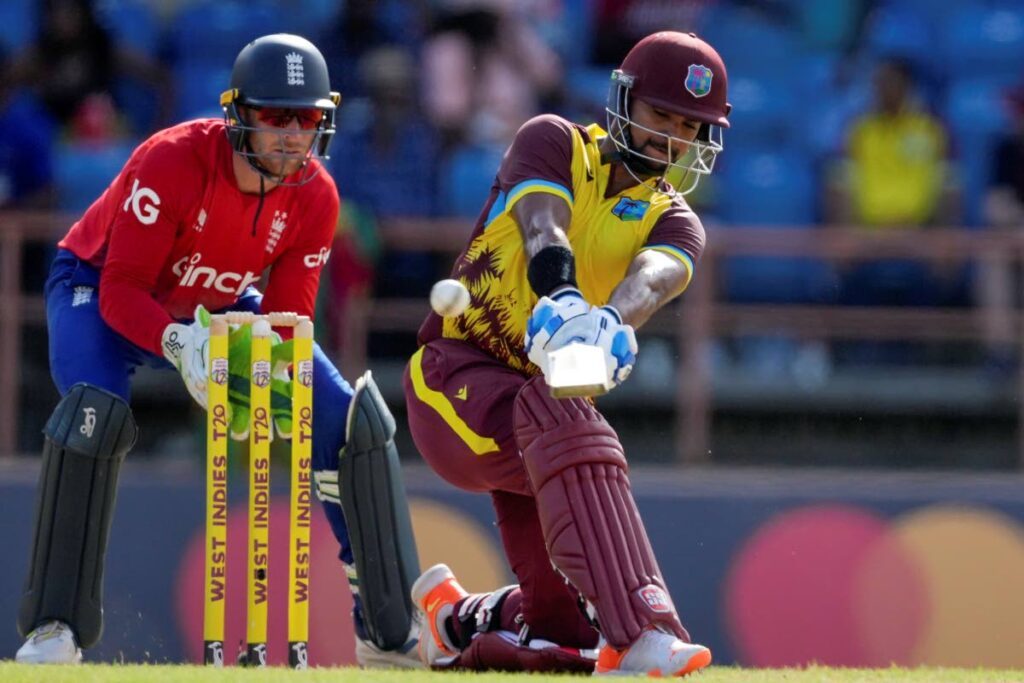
(86,439)
(591,525)
(377,513)
(502,651)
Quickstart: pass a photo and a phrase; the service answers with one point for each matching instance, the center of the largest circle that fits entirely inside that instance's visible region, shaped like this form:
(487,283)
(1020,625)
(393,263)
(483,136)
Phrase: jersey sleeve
(154,188)
(679,233)
(295,274)
(539,160)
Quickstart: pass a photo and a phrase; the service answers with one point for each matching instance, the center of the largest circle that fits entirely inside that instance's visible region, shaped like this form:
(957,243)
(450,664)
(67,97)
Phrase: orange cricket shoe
(435,593)
(655,653)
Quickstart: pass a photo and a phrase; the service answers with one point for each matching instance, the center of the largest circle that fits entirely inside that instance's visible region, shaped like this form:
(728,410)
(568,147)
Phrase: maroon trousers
(460,403)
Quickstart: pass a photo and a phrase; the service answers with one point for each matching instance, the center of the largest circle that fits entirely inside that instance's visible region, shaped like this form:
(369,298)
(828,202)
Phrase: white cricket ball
(449,298)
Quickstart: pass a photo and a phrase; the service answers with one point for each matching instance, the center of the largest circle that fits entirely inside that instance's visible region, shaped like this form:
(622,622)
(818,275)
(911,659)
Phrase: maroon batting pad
(591,526)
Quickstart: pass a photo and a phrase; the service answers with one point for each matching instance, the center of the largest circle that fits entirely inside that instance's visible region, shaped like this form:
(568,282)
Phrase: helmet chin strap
(256,163)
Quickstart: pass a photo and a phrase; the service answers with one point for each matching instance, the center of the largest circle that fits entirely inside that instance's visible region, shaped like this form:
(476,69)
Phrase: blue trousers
(83,348)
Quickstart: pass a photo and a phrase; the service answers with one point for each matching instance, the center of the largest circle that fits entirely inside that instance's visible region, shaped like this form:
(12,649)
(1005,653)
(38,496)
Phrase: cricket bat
(577,370)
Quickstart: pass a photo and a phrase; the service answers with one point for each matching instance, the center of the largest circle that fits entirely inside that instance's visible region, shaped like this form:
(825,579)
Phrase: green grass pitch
(152,673)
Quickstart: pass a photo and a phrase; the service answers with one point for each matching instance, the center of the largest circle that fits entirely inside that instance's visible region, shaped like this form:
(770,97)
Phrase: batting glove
(544,328)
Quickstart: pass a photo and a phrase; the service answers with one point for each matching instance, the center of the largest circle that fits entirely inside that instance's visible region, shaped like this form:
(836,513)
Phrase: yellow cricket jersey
(898,167)
(550,154)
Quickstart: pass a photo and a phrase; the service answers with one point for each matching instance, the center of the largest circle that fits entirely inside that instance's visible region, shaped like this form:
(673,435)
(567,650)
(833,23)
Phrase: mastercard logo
(843,586)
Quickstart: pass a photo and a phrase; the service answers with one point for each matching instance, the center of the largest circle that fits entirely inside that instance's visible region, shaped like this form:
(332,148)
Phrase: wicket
(260,425)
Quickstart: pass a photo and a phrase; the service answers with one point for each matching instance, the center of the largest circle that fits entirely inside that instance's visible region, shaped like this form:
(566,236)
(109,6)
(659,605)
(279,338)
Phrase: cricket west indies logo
(306,373)
(630,209)
(219,370)
(261,373)
(698,80)
(655,598)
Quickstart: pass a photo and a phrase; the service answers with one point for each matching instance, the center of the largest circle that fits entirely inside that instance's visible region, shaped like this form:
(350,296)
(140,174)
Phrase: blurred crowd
(886,114)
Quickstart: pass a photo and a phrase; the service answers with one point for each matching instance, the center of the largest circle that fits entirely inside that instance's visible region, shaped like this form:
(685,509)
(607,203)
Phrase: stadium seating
(984,39)
(770,187)
(199,87)
(466,179)
(976,114)
(211,32)
(17,25)
(82,172)
(133,24)
(777,57)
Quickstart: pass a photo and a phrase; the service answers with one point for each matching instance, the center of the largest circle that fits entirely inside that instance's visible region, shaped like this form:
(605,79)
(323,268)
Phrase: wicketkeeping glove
(187,348)
(239,373)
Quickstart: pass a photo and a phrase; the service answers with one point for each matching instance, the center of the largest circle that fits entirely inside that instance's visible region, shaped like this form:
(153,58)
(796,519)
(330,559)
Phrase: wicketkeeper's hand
(187,348)
(239,373)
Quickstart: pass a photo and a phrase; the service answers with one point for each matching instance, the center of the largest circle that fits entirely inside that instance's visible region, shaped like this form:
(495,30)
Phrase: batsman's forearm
(642,293)
(542,221)
(636,300)
(653,279)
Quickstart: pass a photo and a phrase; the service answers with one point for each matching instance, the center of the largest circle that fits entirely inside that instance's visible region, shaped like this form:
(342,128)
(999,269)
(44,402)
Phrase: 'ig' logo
(146,213)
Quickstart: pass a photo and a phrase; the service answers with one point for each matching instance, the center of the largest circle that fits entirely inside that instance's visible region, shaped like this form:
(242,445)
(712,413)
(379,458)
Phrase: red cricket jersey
(173,230)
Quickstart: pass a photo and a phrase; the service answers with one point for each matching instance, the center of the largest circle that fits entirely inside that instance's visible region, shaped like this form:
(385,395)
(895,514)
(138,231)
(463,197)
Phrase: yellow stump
(300,507)
(259,494)
(216,495)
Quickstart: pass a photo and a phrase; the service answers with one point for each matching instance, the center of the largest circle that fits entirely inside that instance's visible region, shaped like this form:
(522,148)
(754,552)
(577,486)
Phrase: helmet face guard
(239,128)
(687,161)
(282,72)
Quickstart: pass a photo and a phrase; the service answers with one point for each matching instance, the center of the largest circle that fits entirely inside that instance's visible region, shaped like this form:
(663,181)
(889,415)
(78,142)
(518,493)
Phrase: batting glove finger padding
(544,328)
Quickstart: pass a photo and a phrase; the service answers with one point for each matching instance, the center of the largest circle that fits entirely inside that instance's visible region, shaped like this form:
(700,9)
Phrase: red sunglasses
(280,117)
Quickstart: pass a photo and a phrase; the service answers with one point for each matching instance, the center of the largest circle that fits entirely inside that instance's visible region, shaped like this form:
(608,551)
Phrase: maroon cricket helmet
(681,73)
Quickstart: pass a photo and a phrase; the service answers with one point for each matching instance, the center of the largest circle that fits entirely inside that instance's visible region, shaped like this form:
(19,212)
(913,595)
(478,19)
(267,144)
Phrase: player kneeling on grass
(194,218)
(585,235)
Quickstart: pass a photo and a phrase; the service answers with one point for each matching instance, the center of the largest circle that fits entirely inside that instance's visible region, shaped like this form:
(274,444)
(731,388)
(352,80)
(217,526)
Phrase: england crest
(698,80)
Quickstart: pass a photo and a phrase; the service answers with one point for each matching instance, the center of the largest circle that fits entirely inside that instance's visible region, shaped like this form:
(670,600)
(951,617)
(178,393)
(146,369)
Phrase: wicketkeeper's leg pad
(86,439)
(377,513)
(591,525)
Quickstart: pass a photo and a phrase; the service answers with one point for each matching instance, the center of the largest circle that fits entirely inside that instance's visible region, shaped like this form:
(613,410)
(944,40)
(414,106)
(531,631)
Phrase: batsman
(197,215)
(585,235)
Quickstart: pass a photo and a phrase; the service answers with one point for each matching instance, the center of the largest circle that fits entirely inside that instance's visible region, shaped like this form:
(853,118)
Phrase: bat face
(577,370)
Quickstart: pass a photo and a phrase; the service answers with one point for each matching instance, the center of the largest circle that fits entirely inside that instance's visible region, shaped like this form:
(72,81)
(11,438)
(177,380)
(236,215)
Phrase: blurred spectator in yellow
(485,71)
(72,66)
(895,176)
(896,172)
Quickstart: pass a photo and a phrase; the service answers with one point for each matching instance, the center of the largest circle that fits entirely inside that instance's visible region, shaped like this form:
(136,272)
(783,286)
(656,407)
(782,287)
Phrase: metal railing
(699,317)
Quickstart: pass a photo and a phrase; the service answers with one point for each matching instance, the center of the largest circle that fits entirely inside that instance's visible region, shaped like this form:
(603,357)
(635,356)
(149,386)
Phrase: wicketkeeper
(196,216)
